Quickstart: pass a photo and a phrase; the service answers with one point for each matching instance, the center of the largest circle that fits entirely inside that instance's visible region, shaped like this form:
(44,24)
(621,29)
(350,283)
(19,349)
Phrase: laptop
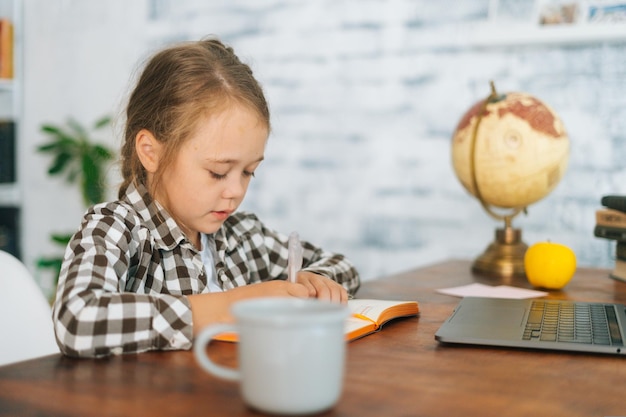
(537,324)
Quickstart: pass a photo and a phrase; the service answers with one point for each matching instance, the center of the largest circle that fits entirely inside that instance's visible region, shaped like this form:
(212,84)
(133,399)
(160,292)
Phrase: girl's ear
(148,150)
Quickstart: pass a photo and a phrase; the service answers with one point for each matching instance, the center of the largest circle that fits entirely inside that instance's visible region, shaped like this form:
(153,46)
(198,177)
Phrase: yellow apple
(549,265)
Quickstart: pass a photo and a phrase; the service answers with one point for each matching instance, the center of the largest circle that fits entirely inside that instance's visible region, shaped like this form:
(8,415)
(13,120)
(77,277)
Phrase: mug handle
(200,344)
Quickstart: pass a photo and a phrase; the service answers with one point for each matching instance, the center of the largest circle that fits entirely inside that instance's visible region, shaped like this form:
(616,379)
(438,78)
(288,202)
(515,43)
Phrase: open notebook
(368,316)
(537,324)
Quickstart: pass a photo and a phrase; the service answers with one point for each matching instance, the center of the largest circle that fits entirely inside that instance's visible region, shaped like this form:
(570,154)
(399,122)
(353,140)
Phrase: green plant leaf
(72,176)
(61,239)
(101,153)
(58,133)
(54,263)
(76,127)
(49,262)
(82,161)
(48,147)
(92,187)
(59,163)
(52,130)
(105,121)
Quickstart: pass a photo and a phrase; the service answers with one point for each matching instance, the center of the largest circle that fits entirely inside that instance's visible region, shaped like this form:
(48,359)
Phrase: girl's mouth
(221,215)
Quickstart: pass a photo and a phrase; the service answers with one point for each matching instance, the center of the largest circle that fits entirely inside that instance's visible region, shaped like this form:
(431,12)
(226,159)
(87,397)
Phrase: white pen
(294,260)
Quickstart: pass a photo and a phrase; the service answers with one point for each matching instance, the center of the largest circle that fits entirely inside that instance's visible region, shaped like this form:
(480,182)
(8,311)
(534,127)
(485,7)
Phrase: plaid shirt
(128,269)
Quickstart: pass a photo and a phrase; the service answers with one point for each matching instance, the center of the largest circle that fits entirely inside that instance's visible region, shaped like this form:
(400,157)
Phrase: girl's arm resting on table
(215,307)
(112,323)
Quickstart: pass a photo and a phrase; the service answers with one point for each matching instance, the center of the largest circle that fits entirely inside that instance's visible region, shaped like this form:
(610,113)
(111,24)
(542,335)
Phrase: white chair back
(26,329)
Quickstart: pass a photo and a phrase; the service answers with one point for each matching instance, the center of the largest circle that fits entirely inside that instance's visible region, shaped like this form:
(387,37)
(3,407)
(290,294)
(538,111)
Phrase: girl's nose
(235,188)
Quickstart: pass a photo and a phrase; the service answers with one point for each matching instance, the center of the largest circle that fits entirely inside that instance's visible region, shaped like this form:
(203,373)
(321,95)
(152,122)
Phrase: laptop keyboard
(564,321)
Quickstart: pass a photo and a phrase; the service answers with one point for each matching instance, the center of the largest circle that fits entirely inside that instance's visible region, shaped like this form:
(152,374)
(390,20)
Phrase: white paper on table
(499,291)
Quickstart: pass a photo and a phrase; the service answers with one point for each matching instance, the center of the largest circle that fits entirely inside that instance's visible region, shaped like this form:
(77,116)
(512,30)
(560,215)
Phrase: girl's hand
(322,288)
(275,288)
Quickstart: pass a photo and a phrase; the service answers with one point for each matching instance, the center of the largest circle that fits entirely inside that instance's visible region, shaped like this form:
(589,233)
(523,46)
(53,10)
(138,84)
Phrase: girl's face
(210,176)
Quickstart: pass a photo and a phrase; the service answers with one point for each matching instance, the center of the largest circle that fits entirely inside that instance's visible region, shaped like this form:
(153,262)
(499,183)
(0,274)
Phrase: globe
(520,154)
(509,151)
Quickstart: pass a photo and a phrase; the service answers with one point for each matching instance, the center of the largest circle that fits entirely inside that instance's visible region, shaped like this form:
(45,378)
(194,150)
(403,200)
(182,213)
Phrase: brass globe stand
(503,258)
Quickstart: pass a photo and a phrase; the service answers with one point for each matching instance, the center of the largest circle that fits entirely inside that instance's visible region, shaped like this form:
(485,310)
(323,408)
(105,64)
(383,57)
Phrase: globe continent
(521,150)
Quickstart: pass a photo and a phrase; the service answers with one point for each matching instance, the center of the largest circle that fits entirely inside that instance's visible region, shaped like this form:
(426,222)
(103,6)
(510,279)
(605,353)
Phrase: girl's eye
(217,176)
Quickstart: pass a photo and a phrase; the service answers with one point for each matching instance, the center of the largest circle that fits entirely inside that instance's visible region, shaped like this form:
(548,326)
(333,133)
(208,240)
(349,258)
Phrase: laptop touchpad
(489,315)
(484,319)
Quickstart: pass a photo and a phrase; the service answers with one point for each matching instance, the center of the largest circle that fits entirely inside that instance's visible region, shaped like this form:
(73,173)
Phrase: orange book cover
(6,48)
(368,316)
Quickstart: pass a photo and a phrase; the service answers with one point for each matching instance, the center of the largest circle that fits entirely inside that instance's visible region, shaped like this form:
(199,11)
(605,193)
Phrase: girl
(171,255)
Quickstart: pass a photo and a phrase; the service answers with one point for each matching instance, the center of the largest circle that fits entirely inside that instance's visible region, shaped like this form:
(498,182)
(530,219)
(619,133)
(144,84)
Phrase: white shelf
(10,195)
(495,35)
(546,35)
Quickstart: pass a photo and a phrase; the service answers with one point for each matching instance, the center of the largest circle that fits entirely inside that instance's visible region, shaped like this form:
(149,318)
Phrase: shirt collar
(234,229)
(166,232)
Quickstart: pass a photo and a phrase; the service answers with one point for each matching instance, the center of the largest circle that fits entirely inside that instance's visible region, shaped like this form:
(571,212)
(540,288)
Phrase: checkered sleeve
(93,315)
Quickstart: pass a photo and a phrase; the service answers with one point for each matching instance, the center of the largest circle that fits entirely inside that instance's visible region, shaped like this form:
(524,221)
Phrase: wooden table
(400,371)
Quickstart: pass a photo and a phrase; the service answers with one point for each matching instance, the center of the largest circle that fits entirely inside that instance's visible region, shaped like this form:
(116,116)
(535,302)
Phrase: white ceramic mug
(291,353)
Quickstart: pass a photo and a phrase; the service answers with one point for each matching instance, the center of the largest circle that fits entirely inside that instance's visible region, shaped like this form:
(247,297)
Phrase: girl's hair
(179,86)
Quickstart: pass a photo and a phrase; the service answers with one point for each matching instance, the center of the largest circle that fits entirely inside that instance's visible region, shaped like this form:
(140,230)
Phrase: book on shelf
(9,237)
(610,232)
(368,316)
(615,202)
(7,151)
(6,48)
(610,217)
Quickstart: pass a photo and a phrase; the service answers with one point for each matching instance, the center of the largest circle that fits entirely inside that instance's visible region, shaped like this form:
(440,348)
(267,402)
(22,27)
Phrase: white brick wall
(365,95)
